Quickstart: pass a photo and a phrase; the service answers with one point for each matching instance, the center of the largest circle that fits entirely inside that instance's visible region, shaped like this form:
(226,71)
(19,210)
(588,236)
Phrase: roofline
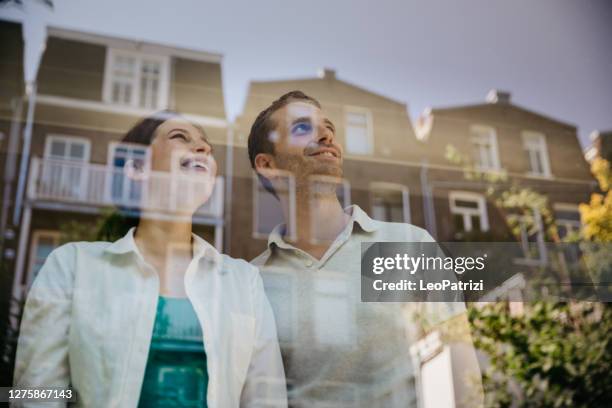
(135,45)
(289,80)
(480,105)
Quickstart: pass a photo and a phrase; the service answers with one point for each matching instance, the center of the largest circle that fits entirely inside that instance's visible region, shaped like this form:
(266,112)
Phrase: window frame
(135,102)
(481,209)
(112,146)
(52,137)
(369,129)
(537,143)
(34,243)
(405,191)
(572,224)
(271,273)
(318,293)
(257,186)
(478,131)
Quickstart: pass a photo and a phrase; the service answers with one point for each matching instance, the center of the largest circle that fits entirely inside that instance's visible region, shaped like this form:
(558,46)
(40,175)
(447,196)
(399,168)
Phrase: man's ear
(265,165)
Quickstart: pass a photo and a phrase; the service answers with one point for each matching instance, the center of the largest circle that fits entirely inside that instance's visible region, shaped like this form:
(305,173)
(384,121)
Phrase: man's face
(304,141)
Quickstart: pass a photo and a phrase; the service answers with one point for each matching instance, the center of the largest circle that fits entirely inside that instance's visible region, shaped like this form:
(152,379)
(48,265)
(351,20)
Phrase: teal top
(176,373)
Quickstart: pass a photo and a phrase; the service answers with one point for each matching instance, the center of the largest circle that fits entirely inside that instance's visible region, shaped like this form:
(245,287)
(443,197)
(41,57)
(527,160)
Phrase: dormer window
(484,148)
(358,128)
(136,80)
(535,146)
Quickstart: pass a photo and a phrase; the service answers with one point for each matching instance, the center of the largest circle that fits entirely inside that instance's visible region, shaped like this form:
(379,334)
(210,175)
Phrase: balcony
(87,187)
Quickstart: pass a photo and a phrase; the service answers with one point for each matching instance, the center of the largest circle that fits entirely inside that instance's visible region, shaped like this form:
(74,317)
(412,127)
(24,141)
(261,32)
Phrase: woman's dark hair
(120,221)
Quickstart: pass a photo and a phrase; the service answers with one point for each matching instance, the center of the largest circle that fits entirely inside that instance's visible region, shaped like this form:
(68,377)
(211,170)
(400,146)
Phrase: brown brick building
(92,88)
(400,172)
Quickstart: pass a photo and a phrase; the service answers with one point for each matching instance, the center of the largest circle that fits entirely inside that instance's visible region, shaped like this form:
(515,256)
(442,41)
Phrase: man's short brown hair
(259,137)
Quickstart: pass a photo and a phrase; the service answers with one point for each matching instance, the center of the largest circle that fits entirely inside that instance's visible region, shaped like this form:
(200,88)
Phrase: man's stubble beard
(306,170)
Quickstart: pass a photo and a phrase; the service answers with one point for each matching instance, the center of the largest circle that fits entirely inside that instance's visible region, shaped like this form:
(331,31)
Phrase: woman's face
(180,152)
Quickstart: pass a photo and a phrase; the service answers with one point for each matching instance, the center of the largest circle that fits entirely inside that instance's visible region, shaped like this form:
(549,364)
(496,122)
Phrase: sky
(554,56)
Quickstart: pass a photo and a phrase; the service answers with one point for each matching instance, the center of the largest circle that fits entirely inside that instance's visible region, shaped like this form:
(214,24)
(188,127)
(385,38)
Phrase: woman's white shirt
(89,317)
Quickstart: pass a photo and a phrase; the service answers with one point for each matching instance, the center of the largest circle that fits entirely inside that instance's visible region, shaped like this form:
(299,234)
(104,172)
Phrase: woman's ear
(134,172)
(265,165)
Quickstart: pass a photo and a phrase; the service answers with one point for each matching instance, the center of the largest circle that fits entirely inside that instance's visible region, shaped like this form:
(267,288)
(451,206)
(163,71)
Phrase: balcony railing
(70,182)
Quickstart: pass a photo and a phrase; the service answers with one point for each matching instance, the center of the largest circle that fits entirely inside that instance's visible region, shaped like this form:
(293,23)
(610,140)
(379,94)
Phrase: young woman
(158,317)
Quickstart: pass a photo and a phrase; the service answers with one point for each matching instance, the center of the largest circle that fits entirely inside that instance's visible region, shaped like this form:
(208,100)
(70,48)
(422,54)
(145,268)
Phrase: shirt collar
(357,216)
(127,244)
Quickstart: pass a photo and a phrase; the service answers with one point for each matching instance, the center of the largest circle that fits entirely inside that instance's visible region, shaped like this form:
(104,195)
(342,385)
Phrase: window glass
(43,244)
(357,133)
(484,145)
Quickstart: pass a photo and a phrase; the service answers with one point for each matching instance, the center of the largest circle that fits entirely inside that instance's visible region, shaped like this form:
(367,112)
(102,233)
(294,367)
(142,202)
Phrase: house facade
(90,90)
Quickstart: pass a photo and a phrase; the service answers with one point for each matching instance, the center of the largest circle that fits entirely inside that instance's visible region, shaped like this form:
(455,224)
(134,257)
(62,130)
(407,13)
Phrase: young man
(337,350)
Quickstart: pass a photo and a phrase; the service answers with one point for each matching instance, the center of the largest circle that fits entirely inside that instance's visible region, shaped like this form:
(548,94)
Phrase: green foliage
(109,226)
(552,355)
(515,202)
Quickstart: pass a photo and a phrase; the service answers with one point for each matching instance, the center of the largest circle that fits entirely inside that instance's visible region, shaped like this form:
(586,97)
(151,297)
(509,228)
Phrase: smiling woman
(158,317)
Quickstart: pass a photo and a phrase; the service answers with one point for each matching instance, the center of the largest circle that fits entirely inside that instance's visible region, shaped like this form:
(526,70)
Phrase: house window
(267,211)
(469,211)
(324,185)
(531,236)
(335,328)
(537,153)
(67,148)
(281,293)
(43,242)
(358,125)
(390,202)
(124,190)
(484,144)
(136,80)
(567,219)
(63,174)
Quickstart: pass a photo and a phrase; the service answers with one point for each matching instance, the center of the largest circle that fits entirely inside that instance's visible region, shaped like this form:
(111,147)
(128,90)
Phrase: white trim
(135,45)
(369,129)
(566,207)
(164,77)
(112,146)
(284,273)
(536,141)
(257,187)
(542,257)
(83,179)
(481,211)
(570,225)
(346,186)
(51,137)
(489,132)
(103,107)
(384,185)
(36,235)
(320,290)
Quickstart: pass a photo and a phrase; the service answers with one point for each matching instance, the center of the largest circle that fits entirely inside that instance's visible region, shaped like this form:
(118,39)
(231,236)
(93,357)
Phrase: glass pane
(476,223)
(58,148)
(359,119)
(357,140)
(458,222)
(77,151)
(466,203)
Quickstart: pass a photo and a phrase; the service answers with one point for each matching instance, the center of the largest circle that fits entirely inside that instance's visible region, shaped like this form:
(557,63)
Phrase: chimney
(497,96)
(327,73)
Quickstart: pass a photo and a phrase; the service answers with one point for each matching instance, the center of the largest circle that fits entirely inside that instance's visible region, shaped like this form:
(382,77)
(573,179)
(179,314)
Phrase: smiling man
(336,349)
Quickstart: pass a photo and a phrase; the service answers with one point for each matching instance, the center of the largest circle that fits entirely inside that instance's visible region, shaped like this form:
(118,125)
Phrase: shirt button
(309,263)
